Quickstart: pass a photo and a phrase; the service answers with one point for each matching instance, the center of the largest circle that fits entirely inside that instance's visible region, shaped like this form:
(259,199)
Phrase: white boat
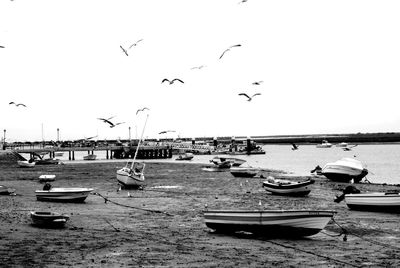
(275,223)
(47,178)
(246,172)
(63,194)
(342,144)
(374,201)
(185,156)
(26,163)
(132,174)
(90,157)
(227,161)
(288,187)
(49,219)
(324,144)
(345,170)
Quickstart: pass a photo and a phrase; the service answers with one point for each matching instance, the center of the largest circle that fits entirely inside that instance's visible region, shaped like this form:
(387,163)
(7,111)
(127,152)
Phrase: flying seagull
(141,110)
(109,122)
(166,131)
(172,81)
(257,83)
(17,104)
(135,44)
(226,50)
(248,97)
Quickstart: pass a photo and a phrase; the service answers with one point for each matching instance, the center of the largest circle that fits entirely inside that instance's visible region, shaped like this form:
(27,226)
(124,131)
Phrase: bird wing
(165,79)
(238,45)
(21,104)
(256,94)
(116,124)
(12,102)
(244,94)
(223,53)
(162,132)
(176,79)
(124,50)
(134,44)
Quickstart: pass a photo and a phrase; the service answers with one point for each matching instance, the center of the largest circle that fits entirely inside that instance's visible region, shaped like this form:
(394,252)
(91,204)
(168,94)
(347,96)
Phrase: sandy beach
(163,226)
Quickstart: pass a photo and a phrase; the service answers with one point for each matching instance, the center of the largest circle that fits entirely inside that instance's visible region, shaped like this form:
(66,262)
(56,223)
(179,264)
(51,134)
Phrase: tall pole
(58,134)
(129,134)
(4,137)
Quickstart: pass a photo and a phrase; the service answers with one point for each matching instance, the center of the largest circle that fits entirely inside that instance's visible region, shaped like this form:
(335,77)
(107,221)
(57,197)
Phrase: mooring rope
(106,199)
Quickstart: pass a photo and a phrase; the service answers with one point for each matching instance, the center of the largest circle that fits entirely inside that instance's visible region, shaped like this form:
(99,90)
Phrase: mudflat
(163,226)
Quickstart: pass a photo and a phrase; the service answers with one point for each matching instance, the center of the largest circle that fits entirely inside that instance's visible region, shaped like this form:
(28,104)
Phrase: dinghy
(185,156)
(47,178)
(63,194)
(274,223)
(244,172)
(48,219)
(288,187)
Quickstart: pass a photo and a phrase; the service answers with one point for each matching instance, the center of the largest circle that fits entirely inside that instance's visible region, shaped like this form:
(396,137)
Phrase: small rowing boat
(63,194)
(274,223)
(48,219)
(288,187)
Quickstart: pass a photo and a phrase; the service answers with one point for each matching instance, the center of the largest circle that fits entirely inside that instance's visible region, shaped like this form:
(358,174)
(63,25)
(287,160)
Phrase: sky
(326,67)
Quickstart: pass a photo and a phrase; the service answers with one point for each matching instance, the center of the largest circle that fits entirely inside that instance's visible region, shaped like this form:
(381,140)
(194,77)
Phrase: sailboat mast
(141,137)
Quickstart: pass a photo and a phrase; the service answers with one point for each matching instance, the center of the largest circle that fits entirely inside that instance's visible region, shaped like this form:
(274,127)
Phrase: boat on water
(90,157)
(48,219)
(132,174)
(244,172)
(344,170)
(26,163)
(388,201)
(288,187)
(63,194)
(272,223)
(324,144)
(223,161)
(185,156)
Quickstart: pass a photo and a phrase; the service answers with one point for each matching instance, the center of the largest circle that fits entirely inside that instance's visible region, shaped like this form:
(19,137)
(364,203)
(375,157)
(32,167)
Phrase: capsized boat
(288,187)
(49,219)
(132,174)
(345,170)
(274,223)
(26,163)
(63,194)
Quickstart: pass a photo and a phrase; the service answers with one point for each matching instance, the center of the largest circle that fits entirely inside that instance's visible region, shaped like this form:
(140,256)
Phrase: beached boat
(63,194)
(132,174)
(26,163)
(5,190)
(342,144)
(223,161)
(374,201)
(324,144)
(49,219)
(288,187)
(274,223)
(185,156)
(344,170)
(90,157)
(47,161)
(245,172)
(47,178)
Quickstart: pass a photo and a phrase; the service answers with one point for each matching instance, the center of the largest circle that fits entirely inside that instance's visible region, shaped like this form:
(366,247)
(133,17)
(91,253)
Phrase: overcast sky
(326,67)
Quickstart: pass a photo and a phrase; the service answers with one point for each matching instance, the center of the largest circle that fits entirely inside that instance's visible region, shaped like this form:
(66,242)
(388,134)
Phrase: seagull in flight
(257,83)
(17,104)
(141,110)
(166,131)
(133,45)
(109,122)
(172,81)
(248,97)
(226,50)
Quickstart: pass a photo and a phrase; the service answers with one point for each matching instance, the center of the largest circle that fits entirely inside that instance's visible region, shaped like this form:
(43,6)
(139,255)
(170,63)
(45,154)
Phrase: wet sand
(103,234)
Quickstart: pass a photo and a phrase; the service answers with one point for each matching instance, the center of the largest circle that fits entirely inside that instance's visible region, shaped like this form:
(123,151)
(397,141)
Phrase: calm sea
(382,160)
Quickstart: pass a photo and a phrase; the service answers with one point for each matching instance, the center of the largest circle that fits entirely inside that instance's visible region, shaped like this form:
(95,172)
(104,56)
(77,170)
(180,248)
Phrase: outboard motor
(348,190)
(47,186)
(317,170)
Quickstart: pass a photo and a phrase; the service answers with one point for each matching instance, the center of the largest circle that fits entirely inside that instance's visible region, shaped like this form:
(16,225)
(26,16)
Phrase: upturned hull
(273,223)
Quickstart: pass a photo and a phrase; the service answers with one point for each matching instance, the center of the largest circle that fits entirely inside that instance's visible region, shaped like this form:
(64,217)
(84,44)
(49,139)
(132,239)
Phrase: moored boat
(63,194)
(344,170)
(274,223)
(227,162)
(48,219)
(245,172)
(324,144)
(288,187)
(26,163)
(185,156)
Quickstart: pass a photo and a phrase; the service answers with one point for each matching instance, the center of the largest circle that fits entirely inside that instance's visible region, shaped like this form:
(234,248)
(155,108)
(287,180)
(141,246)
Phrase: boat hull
(128,179)
(48,219)
(26,164)
(63,194)
(385,202)
(90,157)
(344,170)
(288,187)
(272,223)
(243,172)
